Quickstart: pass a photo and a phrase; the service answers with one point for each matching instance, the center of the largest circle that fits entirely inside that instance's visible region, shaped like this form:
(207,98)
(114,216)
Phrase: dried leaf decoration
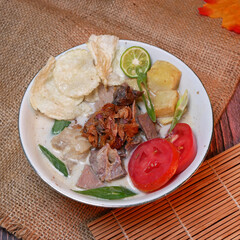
(228,10)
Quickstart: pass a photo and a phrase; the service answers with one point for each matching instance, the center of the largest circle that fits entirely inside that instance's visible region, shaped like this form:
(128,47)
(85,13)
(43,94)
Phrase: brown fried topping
(112,124)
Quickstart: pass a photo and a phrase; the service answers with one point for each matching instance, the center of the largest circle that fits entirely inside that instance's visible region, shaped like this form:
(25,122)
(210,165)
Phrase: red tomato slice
(152,164)
(183,139)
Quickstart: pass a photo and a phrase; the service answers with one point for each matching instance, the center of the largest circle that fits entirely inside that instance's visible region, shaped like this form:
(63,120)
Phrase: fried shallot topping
(112,124)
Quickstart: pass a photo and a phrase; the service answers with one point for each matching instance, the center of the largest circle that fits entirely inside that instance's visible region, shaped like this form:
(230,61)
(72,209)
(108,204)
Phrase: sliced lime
(133,58)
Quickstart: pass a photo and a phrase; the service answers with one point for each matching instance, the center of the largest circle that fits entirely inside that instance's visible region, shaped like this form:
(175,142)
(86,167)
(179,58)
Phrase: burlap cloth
(31,31)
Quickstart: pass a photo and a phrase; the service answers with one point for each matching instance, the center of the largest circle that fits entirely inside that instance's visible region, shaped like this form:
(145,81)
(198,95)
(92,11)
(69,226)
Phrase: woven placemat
(206,207)
(31,31)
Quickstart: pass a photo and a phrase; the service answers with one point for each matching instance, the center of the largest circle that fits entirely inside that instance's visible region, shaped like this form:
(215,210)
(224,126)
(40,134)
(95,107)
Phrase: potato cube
(165,120)
(163,76)
(165,103)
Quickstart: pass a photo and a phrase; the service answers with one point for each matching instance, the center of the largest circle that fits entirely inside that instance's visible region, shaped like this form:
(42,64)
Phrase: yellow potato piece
(163,76)
(165,120)
(165,103)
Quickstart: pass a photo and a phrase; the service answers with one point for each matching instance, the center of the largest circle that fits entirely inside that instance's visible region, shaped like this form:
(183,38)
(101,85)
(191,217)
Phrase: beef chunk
(125,96)
(147,126)
(72,146)
(107,164)
(88,179)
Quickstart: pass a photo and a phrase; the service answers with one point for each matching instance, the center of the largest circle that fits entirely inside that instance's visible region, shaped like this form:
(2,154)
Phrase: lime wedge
(133,58)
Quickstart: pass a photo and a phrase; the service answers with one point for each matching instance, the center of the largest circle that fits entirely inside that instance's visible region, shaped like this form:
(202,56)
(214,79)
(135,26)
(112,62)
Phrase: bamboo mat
(206,207)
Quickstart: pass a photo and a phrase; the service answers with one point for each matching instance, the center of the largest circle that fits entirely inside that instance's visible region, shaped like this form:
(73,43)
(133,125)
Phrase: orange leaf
(228,10)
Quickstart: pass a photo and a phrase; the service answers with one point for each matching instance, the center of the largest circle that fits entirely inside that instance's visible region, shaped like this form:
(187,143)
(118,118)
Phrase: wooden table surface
(226,134)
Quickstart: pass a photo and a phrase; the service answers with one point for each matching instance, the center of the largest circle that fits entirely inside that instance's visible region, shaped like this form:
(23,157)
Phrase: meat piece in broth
(147,126)
(125,96)
(72,146)
(107,164)
(88,179)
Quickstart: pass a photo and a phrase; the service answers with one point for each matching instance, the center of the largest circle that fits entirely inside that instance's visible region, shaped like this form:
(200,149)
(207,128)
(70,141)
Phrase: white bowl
(199,117)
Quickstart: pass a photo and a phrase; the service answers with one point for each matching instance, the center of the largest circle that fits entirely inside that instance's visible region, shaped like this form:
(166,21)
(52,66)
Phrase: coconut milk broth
(43,136)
